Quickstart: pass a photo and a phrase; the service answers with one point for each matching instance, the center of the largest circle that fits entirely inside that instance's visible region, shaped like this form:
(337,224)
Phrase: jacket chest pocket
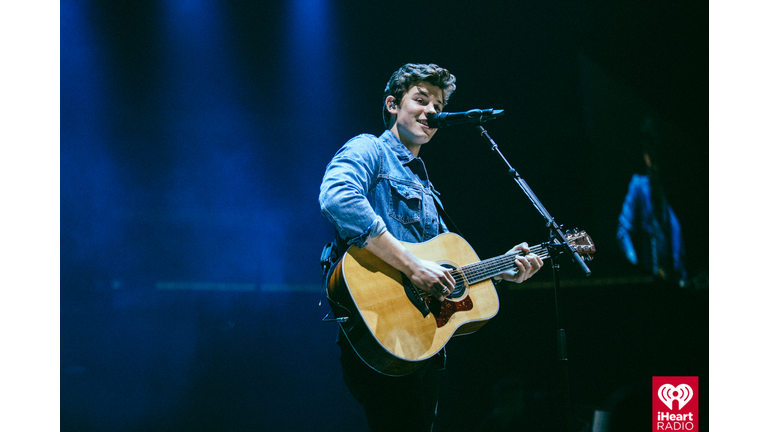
(405,203)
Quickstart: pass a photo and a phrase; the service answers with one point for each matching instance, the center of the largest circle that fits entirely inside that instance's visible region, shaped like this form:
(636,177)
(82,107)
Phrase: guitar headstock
(581,242)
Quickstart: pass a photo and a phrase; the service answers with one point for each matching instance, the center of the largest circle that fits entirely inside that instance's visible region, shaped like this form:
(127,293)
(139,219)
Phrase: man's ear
(391,105)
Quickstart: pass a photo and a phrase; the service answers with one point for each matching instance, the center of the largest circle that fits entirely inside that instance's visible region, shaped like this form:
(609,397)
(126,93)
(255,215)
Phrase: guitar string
(486,269)
(493,266)
(489,268)
(479,271)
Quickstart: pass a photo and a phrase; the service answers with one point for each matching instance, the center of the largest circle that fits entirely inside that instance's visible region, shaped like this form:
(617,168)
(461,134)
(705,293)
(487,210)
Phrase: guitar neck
(486,269)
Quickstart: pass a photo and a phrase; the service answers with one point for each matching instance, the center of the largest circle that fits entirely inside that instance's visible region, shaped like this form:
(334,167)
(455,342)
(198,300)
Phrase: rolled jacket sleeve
(348,180)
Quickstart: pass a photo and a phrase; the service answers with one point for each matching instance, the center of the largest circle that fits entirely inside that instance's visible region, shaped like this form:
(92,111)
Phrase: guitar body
(385,326)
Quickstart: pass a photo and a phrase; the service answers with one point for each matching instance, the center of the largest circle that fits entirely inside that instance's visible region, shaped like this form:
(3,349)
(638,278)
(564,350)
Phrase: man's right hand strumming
(428,276)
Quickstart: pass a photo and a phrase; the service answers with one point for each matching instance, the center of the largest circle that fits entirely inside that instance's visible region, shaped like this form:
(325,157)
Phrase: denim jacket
(376,184)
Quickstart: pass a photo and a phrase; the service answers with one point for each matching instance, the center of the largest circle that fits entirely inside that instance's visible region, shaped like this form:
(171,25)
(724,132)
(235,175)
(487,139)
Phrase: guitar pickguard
(443,311)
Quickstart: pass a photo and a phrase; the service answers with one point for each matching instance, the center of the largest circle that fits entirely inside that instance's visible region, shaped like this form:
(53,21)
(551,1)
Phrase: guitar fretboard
(486,269)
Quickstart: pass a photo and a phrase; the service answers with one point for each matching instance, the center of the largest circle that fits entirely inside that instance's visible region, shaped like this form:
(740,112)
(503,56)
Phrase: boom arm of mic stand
(551,224)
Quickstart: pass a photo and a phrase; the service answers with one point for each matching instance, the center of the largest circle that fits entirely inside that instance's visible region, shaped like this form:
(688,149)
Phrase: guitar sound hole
(460,287)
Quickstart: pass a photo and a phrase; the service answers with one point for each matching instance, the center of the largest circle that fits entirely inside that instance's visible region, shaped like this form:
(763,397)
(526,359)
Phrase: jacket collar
(402,152)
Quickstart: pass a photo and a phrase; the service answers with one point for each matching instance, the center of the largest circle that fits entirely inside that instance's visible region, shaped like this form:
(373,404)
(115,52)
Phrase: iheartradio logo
(669,393)
(680,416)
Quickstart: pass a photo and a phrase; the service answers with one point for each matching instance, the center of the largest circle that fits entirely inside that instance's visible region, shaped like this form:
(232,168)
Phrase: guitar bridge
(415,297)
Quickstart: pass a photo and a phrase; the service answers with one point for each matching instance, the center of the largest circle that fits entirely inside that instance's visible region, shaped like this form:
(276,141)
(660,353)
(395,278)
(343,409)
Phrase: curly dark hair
(409,75)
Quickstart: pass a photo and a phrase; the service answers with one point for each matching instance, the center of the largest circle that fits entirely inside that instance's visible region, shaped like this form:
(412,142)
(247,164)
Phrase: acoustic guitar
(393,326)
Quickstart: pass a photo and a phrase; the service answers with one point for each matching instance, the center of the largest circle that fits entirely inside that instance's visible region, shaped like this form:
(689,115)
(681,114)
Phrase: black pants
(401,404)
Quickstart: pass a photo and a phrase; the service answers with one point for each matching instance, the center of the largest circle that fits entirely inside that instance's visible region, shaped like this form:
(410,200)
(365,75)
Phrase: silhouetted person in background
(649,232)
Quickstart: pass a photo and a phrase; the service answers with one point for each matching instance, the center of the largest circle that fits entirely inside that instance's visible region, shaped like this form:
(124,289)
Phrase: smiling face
(410,125)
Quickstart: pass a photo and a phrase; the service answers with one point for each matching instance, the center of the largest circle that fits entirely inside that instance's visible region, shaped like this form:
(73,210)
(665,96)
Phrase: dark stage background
(194,135)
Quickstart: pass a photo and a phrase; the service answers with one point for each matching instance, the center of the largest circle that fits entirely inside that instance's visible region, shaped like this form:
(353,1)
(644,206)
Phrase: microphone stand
(557,245)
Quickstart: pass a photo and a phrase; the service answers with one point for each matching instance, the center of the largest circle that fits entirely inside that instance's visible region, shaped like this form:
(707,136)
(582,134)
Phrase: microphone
(475,116)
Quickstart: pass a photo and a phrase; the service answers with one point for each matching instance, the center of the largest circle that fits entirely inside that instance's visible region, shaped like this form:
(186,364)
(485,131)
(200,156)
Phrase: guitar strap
(328,258)
(444,215)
